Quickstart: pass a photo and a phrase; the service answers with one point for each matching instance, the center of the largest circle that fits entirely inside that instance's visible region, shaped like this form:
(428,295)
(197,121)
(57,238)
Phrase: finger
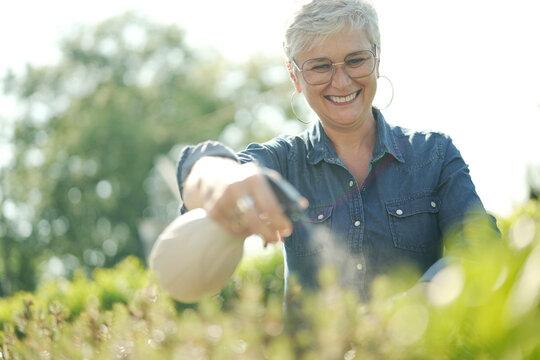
(259,225)
(232,220)
(303,202)
(255,221)
(239,229)
(269,206)
(265,243)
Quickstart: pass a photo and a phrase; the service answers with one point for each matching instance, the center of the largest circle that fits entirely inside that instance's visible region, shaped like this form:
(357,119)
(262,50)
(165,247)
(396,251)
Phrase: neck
(351,141)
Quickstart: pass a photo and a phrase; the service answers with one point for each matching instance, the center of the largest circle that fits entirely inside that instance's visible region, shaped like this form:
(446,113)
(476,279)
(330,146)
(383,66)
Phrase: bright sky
(469,68)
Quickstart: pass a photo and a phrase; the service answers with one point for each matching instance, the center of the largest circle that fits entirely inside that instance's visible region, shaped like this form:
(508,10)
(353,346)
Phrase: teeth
(342,99)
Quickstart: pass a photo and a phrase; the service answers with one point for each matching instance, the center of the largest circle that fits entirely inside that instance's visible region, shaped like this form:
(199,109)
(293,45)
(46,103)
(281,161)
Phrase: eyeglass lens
(320,71)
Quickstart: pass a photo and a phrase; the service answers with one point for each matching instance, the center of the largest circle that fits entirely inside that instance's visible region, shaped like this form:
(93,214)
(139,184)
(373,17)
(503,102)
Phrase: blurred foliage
(533,180)
(97,135)
(486,307)
(265,269)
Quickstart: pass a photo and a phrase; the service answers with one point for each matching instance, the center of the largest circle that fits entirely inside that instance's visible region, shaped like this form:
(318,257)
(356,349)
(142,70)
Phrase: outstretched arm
(220,185)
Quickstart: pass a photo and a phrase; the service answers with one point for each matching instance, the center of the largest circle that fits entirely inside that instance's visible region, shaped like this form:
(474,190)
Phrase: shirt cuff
(435,268)
(190,155)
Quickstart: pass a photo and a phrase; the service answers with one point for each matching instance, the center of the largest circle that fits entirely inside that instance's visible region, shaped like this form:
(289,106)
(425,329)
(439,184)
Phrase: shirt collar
(323,149)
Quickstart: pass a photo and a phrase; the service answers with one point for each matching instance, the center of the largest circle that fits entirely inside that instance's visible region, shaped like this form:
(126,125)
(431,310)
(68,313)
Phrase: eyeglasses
(321,70)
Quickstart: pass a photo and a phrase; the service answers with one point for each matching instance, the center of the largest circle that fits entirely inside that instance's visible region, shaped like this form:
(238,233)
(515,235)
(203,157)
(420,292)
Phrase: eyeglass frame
(375,58)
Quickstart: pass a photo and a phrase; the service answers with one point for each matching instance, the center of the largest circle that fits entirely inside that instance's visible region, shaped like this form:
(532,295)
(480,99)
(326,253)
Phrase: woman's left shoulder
(420,138)
(427,134)
(422,144)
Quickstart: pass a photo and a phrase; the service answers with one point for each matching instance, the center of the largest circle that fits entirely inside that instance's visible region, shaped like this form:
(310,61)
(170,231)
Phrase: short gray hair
(318,19)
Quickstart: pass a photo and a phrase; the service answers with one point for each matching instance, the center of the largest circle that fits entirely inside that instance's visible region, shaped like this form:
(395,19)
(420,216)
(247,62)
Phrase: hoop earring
(294,111)
(391,95)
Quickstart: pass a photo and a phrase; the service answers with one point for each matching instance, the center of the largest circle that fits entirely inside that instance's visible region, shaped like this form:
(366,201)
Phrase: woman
(387,195)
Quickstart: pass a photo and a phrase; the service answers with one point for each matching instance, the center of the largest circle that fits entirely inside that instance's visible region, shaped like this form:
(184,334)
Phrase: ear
(293,77)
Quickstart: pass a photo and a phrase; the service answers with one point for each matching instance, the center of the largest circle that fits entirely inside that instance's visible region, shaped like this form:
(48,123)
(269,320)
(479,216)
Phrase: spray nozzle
(287,196)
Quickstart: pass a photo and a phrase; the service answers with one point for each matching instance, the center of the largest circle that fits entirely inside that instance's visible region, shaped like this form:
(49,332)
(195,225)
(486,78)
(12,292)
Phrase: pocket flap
(318,214)
(412,206)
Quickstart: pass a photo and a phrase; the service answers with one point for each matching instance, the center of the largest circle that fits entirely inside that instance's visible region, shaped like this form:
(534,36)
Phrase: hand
(238,197)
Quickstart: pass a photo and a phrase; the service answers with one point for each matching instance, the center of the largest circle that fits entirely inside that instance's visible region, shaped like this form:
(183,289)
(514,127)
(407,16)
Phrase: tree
(84,184)
(91,129)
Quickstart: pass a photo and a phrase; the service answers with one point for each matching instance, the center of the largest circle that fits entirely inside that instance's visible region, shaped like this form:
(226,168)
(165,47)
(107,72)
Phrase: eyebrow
(351,53)
(319,58)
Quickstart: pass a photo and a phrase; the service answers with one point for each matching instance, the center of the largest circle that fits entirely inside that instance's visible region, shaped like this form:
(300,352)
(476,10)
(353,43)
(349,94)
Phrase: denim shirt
(417,189)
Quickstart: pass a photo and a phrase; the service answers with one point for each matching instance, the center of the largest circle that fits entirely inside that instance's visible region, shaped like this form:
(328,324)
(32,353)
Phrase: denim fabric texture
(417,189)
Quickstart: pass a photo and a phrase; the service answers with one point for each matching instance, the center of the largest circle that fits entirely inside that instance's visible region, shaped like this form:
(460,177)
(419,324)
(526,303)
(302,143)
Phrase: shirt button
(433,205)
(359,267)
(320,217)
(399,212)
(351,183)
(357,223)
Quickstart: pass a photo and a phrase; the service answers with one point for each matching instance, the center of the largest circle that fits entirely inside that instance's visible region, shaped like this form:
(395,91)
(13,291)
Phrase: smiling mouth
(342,100)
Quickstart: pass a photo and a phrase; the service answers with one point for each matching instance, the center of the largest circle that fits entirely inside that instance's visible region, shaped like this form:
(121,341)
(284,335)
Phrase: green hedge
(485,307)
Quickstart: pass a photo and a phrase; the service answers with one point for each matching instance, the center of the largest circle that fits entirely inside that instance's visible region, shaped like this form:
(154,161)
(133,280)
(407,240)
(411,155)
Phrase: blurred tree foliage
(83,190)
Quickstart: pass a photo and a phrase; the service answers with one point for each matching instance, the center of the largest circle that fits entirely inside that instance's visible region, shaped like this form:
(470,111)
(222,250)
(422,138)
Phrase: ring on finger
(244,204)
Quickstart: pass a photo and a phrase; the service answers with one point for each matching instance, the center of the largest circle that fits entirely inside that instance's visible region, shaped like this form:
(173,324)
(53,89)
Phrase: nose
(340,78)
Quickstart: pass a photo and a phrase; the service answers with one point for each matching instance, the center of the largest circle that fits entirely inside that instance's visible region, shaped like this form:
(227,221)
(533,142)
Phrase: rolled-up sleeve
(460,202)
(461,208)
(190,155)
(272,154)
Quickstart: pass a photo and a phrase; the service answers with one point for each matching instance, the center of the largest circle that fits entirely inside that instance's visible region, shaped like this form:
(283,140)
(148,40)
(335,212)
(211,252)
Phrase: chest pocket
(413,222)
(308,237)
